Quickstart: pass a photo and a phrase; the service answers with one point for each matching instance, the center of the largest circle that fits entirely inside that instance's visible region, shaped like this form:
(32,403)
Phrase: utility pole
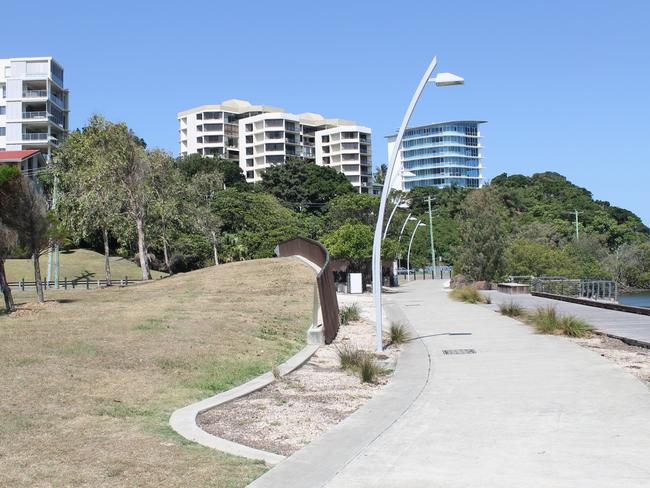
(577,222)
(433,250)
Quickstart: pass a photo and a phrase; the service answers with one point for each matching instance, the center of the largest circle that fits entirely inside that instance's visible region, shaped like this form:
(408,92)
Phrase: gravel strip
(293,411)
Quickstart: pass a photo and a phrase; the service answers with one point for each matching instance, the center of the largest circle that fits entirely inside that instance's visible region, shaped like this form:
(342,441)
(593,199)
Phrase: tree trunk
(107,261)
(37,279)
(214,248)
(6,291)
(142,249)
(166,255)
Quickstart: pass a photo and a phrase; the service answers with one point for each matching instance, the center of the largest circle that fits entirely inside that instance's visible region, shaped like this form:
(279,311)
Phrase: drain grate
(458,351)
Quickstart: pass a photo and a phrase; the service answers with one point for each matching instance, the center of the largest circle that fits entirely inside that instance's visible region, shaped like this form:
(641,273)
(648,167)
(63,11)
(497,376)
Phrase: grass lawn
(77,264)
(89,379)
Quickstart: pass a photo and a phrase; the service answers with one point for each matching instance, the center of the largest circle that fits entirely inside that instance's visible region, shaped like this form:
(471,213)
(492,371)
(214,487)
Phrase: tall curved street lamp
(408,254)
(441,79)
(399,240)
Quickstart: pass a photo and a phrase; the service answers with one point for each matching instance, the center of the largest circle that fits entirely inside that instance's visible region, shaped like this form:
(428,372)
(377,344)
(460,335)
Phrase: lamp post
(408,254)
(399,203)
(399,240)
(441,79)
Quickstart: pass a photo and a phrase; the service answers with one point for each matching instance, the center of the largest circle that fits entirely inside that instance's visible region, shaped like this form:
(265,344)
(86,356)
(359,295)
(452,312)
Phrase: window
(249,151)
(249,139)
(3,110)
(250,174)
(249,127)
(3,131)
(249,162)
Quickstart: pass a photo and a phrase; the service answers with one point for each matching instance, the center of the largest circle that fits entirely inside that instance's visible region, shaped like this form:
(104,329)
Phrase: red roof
(16,156)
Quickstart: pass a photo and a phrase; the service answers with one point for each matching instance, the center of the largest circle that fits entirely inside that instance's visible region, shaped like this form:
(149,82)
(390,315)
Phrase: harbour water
(635,299)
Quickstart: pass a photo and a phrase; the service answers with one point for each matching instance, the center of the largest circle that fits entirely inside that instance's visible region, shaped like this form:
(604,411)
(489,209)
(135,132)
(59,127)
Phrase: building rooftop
(16,156)
(439,123)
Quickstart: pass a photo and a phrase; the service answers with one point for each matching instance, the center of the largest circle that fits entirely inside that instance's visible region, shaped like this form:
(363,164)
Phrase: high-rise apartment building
(33,105)
(259,136)
(440,154)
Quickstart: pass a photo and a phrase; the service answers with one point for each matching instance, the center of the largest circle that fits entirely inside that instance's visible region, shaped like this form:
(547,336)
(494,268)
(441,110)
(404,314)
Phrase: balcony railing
(34,93)
(59,101)
(34,115)
(35,136)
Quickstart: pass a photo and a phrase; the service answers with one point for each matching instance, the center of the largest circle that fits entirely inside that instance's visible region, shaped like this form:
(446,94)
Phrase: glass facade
(443,154)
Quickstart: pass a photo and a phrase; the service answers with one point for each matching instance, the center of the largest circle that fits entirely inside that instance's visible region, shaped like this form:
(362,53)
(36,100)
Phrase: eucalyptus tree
(89,200)
(24,209)
(203,188)
(168,199)
(8,242)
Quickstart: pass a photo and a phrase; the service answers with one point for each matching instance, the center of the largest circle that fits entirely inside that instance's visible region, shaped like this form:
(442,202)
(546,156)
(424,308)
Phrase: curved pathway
(524,410)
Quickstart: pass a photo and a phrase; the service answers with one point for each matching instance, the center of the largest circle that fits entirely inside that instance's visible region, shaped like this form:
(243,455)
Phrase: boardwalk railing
(315,252)
(605,290)
(72,284)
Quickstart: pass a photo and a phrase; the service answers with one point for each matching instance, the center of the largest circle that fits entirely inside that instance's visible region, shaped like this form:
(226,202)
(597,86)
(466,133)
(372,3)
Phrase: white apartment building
(33,105)
(259,136)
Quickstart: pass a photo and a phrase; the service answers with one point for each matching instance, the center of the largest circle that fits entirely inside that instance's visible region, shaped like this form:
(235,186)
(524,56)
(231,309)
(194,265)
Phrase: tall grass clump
(511,309)
(349,313)
(575,327)
(546,320)
(399,333)
(368,368)
(359,361)
(467,294)
(349,356)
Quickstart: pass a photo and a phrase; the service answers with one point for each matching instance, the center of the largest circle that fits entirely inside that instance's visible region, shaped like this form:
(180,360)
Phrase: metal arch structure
(377,279)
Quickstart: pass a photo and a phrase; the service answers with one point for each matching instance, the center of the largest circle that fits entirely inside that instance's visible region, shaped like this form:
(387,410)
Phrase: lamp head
(447,79)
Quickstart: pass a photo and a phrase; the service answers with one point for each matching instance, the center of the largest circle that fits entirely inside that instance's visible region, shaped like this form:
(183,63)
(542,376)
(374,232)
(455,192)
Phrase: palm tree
(380,174)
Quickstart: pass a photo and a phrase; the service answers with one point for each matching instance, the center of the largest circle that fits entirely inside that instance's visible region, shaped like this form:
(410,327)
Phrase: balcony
(59,101)
(35,115)
(34,93)
(35,136)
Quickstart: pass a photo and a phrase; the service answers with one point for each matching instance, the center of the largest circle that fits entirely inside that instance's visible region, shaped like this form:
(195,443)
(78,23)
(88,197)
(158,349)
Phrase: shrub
(368,368)
(399,333)
(575,327)
(511,309)
(467,294)
(349,356)
(349,313)
(545,320)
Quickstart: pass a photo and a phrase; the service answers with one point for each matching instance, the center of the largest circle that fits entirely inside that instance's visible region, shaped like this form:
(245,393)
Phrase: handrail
(315,252)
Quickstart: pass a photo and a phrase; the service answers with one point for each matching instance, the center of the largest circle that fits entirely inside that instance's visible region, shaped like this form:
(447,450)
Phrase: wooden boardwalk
(611,322)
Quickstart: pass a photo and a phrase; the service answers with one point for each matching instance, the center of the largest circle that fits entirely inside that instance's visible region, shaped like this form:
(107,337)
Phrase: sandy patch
(635,360)
(293,411)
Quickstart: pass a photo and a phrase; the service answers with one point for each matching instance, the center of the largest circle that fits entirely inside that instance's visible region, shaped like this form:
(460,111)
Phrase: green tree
(483,236)
(257,219)
(380,174)
(352,207)
(353,242)
(89,200)
(23,209)
(303,185)
(232,174)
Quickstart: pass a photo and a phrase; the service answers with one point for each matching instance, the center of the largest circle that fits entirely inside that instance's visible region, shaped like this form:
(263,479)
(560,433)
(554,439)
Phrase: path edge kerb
(183,420)
(319,461)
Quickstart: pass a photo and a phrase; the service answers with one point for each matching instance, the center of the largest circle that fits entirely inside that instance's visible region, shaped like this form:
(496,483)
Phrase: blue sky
(563,85)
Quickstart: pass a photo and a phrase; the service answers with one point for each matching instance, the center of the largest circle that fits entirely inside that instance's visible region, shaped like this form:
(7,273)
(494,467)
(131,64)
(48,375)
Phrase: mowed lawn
(77,264)
(88,382)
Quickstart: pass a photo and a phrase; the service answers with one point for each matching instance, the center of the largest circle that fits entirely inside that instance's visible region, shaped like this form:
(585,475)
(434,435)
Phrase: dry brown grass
(87,385)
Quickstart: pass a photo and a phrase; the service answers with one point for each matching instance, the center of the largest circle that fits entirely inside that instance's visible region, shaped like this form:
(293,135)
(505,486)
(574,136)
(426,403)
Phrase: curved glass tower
(440,154)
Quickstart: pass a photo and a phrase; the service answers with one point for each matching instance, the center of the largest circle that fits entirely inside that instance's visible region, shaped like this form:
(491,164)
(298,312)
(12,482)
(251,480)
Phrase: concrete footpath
(524,410)
(618,324)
